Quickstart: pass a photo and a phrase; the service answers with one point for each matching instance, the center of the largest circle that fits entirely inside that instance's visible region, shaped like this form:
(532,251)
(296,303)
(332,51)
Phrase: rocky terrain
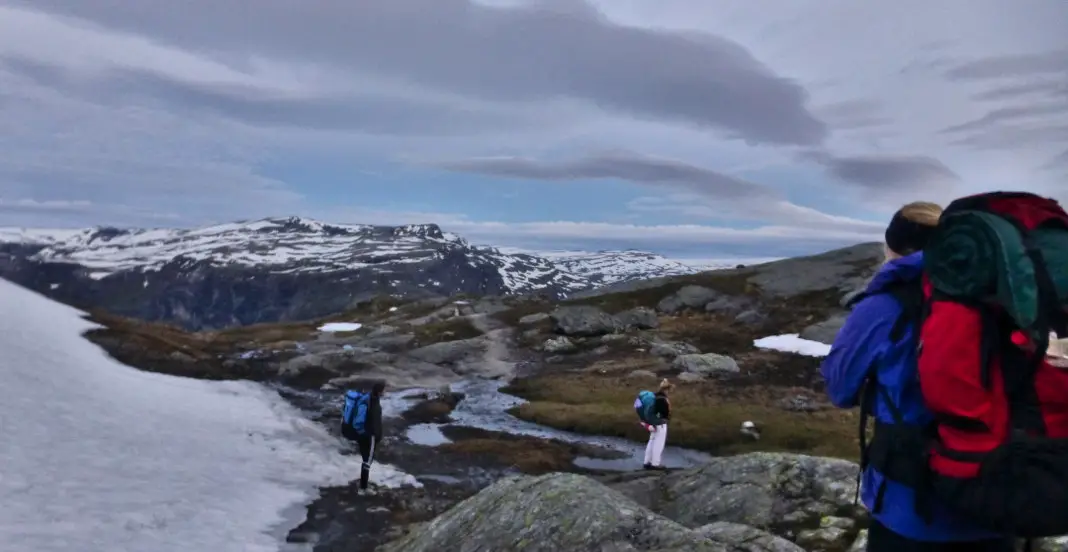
(275,270)
(514,412)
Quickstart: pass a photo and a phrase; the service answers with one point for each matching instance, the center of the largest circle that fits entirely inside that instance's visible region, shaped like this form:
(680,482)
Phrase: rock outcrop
(583,321)
(826,331)
(687,297)
(759,502)
(707,364)
(552,513)
(641,318)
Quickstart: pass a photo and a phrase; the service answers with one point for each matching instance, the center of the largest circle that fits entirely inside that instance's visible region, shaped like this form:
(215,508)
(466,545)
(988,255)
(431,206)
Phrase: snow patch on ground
(98,456)
(340,327)
(427,435)
(792,343)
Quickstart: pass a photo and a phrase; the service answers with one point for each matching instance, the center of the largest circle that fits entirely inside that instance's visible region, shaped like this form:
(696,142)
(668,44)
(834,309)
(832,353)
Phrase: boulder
(706,364)
(688,297)
(559,344)
(642,374)
(583,321)
(450,352)
(826,331)
(640,318)
(531,319)
(745,503)
(751,317)
(746,538)
(672,349)
(730,305)
(860,544)
(338,360)
(691,377)
(760,489)
(551,513)
(834,533)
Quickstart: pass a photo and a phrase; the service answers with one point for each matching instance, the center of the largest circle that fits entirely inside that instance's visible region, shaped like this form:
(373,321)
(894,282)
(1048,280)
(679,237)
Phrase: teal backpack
(645,405)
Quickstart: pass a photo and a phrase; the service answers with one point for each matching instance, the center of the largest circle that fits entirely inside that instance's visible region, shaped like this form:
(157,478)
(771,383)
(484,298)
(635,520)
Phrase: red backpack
(996,284)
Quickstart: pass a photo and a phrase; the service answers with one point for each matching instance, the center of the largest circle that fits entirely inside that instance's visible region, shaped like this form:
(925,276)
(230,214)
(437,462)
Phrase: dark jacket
(662,407)
(863,344)
(374,417)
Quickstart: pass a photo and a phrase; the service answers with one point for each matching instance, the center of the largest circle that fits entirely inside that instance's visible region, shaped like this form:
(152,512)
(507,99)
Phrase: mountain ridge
(289,268)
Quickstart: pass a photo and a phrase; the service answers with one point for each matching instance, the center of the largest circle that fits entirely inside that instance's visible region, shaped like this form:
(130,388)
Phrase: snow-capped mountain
(289,268)
(610,267)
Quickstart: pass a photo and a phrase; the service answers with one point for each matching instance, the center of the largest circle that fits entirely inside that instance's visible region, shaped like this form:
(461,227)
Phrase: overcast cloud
(676,125)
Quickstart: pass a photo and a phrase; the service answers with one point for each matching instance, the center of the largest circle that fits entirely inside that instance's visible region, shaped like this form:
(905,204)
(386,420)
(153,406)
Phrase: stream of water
(485,407)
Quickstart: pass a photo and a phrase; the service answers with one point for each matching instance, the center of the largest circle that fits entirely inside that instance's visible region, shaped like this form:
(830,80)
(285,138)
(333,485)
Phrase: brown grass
(452,329)
(529,455)
(433,411)
(150,335)
(706,416)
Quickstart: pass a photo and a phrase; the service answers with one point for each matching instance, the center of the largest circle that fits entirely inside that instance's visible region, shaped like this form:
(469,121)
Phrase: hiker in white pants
(654,450)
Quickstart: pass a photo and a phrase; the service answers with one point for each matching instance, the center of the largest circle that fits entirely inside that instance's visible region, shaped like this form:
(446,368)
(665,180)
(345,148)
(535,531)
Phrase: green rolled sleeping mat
(980,256)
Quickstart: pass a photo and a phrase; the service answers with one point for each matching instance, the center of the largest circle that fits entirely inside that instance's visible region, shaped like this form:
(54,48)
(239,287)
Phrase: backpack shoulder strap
(913,301)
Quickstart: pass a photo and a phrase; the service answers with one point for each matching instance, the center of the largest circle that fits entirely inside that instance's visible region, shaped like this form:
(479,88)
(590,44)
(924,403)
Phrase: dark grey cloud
(1028,95)
(1014,136)
(1003,115)
(528,54)
(1044,89)
(886,173)
(619,165)
(373,114)
(1020,65)
(706,193)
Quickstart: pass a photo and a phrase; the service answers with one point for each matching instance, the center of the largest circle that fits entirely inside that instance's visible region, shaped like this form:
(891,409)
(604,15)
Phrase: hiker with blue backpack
(948,349)
(361,421)
(654,412)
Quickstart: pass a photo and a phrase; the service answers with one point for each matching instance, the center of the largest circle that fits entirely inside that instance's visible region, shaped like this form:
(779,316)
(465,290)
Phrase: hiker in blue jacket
(869,344)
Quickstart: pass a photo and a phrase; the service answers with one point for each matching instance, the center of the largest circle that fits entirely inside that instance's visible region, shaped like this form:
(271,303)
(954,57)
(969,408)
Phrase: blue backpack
(354,415)
(645,405)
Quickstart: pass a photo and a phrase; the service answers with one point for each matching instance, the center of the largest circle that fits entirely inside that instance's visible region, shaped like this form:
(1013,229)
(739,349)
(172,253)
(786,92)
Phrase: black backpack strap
(914,309)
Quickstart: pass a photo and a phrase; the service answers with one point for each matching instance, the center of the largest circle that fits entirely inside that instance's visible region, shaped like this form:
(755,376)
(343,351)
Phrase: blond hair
(666,385)
(919,212)
(922,212)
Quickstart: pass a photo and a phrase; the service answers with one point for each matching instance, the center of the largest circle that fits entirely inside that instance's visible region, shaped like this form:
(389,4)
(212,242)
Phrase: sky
(686,127)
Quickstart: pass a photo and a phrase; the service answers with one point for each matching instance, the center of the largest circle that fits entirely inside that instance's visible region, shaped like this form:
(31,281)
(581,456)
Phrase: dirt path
(496,359)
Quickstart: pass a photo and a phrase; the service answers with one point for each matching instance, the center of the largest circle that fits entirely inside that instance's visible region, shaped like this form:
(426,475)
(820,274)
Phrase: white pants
(655,449)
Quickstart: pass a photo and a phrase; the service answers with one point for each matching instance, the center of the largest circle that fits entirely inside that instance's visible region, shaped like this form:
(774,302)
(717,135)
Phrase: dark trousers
(367,452)
(882,539)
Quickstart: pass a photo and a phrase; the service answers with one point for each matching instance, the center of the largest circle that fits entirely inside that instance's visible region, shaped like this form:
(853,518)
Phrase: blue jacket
(864,342)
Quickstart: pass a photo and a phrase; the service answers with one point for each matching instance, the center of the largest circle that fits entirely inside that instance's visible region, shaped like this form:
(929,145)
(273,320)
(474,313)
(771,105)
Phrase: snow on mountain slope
(304,245)
(281,244)
(609,267)
(284,269)
(100,457)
